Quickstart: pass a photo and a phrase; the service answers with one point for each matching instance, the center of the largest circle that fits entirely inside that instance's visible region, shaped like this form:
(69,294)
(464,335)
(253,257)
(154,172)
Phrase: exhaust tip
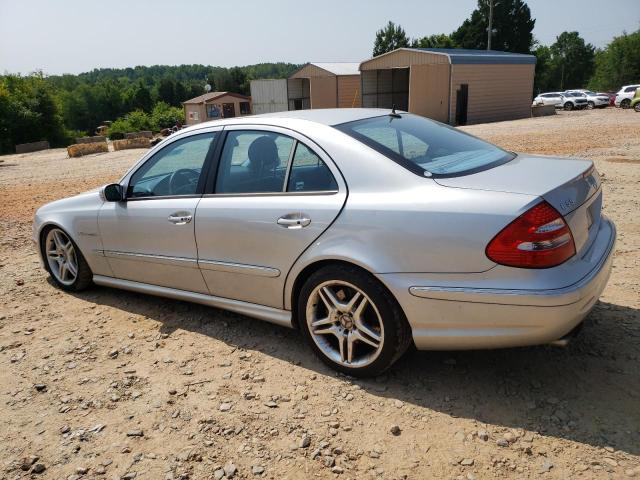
(564,341)
(561,342)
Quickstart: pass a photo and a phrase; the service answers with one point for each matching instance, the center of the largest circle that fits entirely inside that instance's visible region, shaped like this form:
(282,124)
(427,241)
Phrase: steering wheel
(181,179)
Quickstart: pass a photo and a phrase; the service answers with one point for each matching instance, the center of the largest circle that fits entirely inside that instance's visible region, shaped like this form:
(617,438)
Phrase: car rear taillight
(539,238)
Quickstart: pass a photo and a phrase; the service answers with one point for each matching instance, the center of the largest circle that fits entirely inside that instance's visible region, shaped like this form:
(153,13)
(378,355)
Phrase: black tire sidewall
(389,310)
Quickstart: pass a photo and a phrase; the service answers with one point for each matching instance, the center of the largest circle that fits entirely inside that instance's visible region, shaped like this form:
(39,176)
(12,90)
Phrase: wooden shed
(215,105)
(455,86)
(324,85)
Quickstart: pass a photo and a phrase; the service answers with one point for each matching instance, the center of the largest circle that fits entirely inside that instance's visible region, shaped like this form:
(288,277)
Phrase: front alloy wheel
(61,256)
(65,262)
(352,321)
(568,106)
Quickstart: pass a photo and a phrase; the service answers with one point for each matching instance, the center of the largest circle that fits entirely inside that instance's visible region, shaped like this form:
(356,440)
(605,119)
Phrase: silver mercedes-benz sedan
(367,229)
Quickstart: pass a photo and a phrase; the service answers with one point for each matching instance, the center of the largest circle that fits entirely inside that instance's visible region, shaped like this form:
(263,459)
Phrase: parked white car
(550,98)
(574,100)
(625,95)
(594,100)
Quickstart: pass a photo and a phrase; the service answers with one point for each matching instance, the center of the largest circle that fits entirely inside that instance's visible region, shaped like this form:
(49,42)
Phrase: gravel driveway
(110,384)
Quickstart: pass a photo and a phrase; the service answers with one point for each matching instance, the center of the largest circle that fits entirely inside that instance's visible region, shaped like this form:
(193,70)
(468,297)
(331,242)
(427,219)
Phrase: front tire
(591,105)
(568,106)
(626,103)
(637,107)
(64,261)
(351,321)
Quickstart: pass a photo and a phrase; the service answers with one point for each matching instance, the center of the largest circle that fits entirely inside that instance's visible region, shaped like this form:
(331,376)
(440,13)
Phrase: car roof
(324,116)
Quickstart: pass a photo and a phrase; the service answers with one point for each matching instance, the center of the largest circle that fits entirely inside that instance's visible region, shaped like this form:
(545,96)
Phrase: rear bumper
(463,317)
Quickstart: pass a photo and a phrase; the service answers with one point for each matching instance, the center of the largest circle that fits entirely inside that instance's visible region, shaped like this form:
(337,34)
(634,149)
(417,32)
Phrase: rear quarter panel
(397,221)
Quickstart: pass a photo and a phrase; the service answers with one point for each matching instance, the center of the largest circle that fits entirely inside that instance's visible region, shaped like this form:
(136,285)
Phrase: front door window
(174,170)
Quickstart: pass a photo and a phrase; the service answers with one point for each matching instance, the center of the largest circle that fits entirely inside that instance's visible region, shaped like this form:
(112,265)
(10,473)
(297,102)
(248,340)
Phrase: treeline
(59,108)
(569,62)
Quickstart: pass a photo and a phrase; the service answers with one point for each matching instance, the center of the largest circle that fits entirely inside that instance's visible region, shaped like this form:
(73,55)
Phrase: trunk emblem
(566,204)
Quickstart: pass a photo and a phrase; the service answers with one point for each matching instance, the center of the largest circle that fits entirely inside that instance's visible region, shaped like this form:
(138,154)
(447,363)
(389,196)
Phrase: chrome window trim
(231,267)
(270,194)
(165,197)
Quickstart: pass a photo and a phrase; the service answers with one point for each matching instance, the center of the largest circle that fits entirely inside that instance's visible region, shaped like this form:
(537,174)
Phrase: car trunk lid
(571,186)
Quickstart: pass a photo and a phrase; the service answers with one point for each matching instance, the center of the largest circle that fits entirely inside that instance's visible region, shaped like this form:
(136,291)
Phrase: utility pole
(490,29)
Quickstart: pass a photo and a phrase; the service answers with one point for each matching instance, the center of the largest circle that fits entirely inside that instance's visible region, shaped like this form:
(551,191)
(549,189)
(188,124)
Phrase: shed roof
(212,96)
(338,68)
(469,56)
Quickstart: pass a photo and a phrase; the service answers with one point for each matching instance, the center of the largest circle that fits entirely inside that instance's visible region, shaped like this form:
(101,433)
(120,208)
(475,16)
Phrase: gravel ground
(110,384)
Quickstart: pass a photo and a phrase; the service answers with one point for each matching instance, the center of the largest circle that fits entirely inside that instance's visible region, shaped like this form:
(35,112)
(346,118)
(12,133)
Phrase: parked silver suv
(574,100)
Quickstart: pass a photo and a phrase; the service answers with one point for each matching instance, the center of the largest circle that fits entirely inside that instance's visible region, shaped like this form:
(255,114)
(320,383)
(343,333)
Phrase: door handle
(180,218)
(294,221)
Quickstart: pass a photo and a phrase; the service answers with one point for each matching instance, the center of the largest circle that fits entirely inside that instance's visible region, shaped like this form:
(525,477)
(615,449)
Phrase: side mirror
(113,193)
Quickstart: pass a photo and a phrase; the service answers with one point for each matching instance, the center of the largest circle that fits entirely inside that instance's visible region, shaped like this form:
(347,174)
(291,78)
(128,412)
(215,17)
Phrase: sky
(73,36)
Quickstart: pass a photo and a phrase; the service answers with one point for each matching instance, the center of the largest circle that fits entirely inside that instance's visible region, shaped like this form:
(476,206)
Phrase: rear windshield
(426,147)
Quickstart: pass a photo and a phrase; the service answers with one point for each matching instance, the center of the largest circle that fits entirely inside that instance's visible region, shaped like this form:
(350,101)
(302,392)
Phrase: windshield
(424,146)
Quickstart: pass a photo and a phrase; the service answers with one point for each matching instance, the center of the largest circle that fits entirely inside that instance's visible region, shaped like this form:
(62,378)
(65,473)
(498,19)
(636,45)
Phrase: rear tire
(351,321)
(568,106)
(637,107)
(64,261)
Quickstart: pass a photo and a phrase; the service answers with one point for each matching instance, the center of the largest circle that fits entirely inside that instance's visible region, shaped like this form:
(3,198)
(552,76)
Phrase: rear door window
(253,161)
(309,173)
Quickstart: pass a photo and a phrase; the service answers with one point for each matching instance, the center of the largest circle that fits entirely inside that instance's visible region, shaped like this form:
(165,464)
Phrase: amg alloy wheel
(351,321)
(345,323)
(64,261)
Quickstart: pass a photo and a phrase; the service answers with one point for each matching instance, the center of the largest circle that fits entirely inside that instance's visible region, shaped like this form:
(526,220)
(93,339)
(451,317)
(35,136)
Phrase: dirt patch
(630,161)
(110,384)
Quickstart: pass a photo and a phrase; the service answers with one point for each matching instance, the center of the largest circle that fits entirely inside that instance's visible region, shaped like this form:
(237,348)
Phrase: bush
(132,122)
(165,116)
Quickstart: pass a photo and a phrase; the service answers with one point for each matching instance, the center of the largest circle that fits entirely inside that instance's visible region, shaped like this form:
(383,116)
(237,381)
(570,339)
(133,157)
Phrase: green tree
(165,116)
(512,27)
(167,91)
(440,40)
(572,61)
(543,80)
(389,38)
(29,112)
(139,97)
(618,63)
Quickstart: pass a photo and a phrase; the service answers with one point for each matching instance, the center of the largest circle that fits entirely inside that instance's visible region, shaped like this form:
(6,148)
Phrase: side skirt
(269,314)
